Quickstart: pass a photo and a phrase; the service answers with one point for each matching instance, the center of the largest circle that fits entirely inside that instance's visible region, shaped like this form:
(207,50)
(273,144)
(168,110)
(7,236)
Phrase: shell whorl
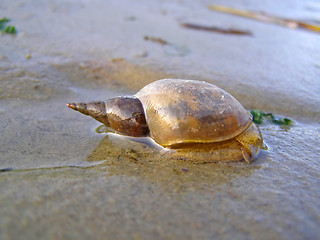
(126,116)
(97,110)
(123,114)
(188,111)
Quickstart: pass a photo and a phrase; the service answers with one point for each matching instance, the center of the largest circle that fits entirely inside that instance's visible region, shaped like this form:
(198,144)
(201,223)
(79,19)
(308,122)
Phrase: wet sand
(60,179)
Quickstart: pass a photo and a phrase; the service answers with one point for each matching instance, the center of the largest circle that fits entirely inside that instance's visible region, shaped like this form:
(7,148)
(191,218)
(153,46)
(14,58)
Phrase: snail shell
(186,111)
(182,114)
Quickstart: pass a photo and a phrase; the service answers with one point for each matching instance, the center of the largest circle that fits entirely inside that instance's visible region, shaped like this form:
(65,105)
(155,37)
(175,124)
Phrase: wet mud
(62,179)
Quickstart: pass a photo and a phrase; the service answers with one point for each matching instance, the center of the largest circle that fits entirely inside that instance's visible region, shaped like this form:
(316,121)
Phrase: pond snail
(185,115)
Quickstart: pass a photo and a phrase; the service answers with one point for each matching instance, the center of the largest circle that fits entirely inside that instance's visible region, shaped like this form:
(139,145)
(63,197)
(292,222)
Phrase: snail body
(186,115)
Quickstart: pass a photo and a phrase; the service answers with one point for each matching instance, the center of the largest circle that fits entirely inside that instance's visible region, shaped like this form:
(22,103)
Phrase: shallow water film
(62,179)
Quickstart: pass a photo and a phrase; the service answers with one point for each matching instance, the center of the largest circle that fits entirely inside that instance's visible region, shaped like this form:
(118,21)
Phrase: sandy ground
(60,179)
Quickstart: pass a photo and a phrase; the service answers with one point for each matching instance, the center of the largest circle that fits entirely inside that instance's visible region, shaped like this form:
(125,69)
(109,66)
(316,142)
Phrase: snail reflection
(140,160)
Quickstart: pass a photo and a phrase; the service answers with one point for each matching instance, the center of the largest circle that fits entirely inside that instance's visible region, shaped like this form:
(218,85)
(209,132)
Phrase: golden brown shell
(188,111)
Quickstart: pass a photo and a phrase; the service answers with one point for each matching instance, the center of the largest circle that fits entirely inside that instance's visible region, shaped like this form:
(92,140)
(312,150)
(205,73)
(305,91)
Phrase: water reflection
(124,157)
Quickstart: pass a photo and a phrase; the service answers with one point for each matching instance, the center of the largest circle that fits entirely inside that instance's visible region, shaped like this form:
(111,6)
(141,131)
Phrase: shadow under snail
(185,115)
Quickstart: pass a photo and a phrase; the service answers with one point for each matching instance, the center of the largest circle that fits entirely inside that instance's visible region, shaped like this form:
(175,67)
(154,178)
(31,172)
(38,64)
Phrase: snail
(184,115)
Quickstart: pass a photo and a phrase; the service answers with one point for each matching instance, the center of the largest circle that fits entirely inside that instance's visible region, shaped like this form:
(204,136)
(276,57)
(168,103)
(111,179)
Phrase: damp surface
(62,179)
